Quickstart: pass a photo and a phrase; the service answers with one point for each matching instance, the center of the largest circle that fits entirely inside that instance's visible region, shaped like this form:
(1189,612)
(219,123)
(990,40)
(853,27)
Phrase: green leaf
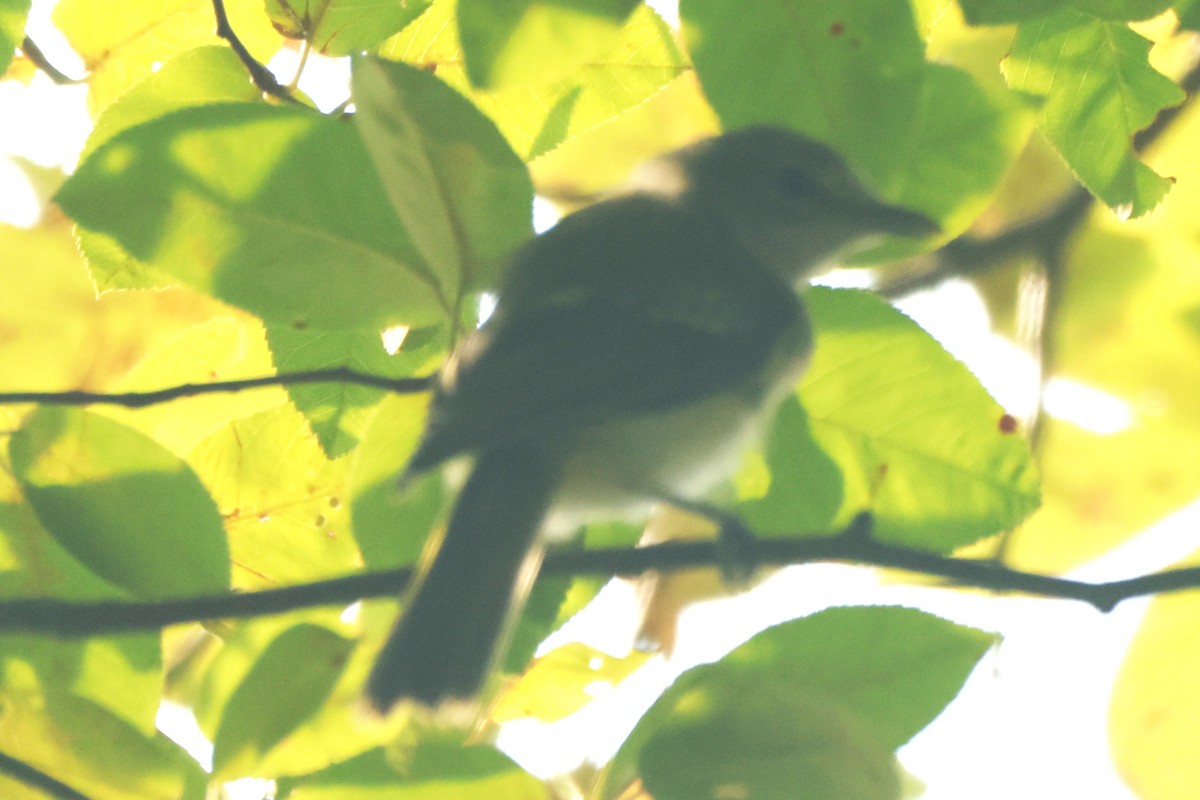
(288,684)
(798,702)
(120,503)
(435,765)
(202,76)
(463,194)
(854,74)
(535,119)
(895,668)
(275,209)
(339,413)
(533,41)
(803,490)
(1099,90)
(122,674)
(1004,12)
(749,739)
(197,77)
(94,752)
(342,27)
(12,29)
(920,443)
(1189,15)
(121,43)
(391,526)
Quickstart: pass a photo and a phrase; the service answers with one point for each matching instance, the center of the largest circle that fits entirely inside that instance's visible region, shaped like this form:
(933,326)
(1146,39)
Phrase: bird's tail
(465,599)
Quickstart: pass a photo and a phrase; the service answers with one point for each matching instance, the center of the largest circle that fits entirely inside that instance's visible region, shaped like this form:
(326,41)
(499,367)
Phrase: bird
(636,350)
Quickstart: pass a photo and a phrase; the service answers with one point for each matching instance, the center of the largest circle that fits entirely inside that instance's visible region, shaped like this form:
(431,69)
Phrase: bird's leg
(735,539)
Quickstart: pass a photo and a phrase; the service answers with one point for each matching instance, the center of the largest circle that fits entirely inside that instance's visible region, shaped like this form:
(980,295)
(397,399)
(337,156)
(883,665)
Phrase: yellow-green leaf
(1099,90)
(288,683)
(122,504)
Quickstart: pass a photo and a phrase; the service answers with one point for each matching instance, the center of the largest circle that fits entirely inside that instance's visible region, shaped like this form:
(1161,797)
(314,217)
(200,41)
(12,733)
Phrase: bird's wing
(600,344)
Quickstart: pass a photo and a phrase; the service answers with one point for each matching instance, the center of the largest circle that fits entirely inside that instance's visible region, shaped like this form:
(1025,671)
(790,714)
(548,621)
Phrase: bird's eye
(795,183)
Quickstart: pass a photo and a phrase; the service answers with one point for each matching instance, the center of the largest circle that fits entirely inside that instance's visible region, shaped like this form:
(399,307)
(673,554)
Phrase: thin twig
(262,77)
(35,54)
(79,618)
(149,398)
(32,776)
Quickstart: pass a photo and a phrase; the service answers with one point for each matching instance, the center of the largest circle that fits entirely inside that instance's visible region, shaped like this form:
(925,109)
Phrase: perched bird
(636,349)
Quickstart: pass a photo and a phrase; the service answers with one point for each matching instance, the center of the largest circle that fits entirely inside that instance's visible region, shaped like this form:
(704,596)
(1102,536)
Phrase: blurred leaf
(342,27)
(120,503)
(535,119)
(390,524)
(234,653)
(57,334)
(122,674)
(798,488)
(1099,90)
(853,74)
(12,29)
(436,765)
(1189,14)
(752,740)
(273,209)
(288,683)
(563,681)
(91,750)
(1122,328)
(452,179)
(798,701)
(283,501)
(533,41)
(920,443)
(1155,705)
(543,614)
(895,668)
(1002,12)
(226,347)
(593,162)
(122,42)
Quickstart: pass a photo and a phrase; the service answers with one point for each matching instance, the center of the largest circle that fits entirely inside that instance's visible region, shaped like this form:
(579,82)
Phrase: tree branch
(143,399)
(262,77)
(32,776)
(73,618)
(80,618)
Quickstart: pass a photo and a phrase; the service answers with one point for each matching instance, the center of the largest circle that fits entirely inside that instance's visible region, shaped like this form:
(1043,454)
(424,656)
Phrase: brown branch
(73,618)
(262,77)
(143,399)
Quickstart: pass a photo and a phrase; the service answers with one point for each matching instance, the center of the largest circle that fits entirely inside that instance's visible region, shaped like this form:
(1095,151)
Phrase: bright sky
(1031,723)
